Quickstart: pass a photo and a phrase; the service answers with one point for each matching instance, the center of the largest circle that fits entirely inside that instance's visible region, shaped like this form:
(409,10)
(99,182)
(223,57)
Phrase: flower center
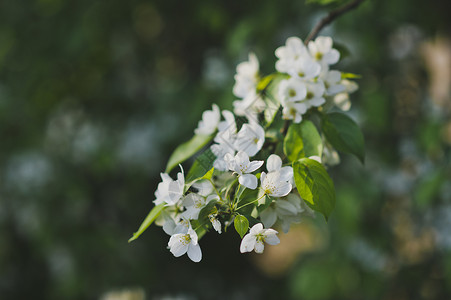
(318,56)
(185,239)
(291,93)
(310,95)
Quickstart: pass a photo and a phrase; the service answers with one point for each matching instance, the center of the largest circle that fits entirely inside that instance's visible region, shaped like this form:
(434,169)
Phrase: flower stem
(251,202)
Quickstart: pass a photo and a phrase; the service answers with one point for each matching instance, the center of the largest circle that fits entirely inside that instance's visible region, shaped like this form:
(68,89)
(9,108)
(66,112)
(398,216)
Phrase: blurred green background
(95,95)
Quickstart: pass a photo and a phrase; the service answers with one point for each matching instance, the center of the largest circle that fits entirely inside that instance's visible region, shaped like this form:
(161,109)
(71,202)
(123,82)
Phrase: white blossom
(292,90)
(241,165)
(246,78)
(209,122)
(250,138)
(293,50)
(341,100)
(256,237)
(224,140)
(194,204)
(277,183)
(332,82)
(182,243)
(170,191)
(315,93)
(287,210)
(321,50)
(250,106)
(305,68)
(215,222)
(294,111)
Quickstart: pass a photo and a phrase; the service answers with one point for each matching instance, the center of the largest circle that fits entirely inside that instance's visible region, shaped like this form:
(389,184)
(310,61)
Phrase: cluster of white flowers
(237,186)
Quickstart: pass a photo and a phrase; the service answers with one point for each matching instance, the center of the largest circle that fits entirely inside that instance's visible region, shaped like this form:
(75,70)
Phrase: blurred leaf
(343,134)
(314,185)
(201,166)
(241,225)
(153,214)
(186,150)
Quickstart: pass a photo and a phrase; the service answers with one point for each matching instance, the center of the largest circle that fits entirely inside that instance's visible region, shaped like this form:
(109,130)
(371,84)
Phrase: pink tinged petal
(254,165)
(177,247)
(247,244)
(194,253)
(274,163)
(268,217)
(259,247)
(248,180)
(256,229)
(272,238)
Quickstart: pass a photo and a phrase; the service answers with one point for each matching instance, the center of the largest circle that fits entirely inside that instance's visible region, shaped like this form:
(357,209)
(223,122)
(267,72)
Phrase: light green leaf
(186,150)
(314,185)
(343,134)
(153,214)
(241,225)
(302,140)
(350,76)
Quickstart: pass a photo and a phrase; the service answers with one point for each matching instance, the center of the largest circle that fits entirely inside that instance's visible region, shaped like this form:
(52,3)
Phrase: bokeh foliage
(95,95)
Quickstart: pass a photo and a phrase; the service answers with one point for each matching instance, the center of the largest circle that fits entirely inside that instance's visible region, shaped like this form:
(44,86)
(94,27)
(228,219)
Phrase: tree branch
(330,17)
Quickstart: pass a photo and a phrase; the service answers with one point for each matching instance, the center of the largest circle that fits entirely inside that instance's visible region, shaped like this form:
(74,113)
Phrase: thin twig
(330,17)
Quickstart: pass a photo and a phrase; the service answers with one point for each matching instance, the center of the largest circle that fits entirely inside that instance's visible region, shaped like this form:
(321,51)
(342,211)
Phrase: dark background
(95,95)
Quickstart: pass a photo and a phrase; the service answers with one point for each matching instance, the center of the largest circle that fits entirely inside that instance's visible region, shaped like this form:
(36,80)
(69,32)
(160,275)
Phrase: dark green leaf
(201,166)
(210,208)
(186,150)
(241,225)
(153,214)
(314,185)
(343,134)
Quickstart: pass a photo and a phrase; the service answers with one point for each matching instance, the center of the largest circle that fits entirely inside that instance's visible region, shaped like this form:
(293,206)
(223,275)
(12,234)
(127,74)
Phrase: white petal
(247,244)
(286,173)
(282,190)
(268,217)
(177,247)
(259,247)
(256,229)
(272,238)
(331,57)
(194,252)
(254,165)
(274,163)
(249,181)
(284,207)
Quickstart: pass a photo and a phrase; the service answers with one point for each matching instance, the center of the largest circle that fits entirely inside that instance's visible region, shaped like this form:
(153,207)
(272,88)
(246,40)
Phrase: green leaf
(201,166)
(186,150)
(343,134)
(314,185)
(210,208)
(241,225)
(350,76)
(153,214)
(302,140)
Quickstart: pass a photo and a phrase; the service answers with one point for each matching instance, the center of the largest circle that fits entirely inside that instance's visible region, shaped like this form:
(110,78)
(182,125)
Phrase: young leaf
(314,185)
(186,150)
(153,214)
(302,140)
(343,134)
(241,225)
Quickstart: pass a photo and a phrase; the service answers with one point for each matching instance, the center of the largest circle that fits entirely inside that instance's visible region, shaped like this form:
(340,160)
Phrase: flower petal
(274,163)
(268,217)
(248,243)
(194,252)
(254,165)
(249,181)
(259,247)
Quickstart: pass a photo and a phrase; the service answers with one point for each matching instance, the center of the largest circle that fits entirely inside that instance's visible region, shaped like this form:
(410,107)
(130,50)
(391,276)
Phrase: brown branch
(330,17)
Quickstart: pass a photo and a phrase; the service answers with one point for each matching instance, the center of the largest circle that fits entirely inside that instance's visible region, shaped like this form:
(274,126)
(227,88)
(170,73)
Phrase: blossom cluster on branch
(264,164)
